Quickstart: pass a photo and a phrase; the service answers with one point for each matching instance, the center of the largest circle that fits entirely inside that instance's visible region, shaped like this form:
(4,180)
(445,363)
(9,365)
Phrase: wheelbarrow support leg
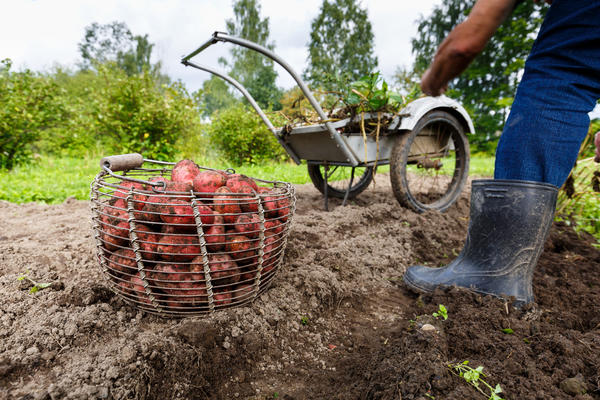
(325,186)
(349,187)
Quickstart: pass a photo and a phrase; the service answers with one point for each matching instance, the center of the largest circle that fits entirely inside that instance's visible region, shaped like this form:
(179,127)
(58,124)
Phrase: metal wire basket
(173,251)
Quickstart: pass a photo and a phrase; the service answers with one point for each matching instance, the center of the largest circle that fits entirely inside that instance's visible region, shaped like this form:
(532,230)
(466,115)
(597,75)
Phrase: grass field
(52,180)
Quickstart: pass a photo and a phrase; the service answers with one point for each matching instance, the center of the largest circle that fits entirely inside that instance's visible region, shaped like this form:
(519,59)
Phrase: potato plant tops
(183,240)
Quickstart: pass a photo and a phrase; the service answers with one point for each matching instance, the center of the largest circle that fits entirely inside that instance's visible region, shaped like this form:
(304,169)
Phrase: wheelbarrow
(424,144)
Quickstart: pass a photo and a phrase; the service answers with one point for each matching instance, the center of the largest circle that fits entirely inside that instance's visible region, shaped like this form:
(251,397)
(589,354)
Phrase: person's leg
(511,215)
(560,86)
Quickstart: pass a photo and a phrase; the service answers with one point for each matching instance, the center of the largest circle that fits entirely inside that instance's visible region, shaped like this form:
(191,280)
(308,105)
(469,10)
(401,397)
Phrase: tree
(341,45)
(487,87)
(214,95)
(114,42)
(252,69)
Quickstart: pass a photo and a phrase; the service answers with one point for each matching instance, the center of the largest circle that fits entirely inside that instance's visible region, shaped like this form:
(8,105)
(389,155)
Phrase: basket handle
(122,162)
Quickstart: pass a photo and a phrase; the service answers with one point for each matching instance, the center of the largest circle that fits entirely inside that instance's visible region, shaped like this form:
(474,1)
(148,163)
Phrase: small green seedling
(474,378)
(37,286)
(304,320)
(508,331)
(441,312)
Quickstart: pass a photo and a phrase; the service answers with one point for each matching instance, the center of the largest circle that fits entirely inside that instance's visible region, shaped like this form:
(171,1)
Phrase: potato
(122,192)
(221,298)
(137,287)
(180,248)
(244,291)
(273,226)
(123,261)
(226,204)
(148,241)
(223,269)
(207,182)
(241,248)
(284,208)
(248,224)
(248,204)
(191,291)
(270,203)
(114,228)
(179,211)
(235,181)
(181,188)
(270,253)
(185,171)
(215,235)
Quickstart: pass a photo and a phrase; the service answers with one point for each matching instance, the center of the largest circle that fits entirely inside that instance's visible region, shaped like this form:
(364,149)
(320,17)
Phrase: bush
(242,137)
(136,114)
(27,107)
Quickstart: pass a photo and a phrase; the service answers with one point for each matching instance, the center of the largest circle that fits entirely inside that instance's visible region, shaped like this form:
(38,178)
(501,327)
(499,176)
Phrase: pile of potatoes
(169,238)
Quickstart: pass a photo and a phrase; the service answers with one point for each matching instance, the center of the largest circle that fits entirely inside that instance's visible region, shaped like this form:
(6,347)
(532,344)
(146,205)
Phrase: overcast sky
(40,33)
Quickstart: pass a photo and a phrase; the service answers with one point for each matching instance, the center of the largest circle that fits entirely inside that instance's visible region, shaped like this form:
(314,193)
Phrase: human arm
(464,43)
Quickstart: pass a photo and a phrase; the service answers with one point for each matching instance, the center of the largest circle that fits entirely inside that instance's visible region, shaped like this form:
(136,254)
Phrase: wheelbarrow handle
(224,37)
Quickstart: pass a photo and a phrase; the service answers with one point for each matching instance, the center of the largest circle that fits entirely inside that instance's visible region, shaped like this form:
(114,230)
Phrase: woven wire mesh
(181,252)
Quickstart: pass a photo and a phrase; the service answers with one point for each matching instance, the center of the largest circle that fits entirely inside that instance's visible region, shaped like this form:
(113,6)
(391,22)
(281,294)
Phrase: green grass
(52,180)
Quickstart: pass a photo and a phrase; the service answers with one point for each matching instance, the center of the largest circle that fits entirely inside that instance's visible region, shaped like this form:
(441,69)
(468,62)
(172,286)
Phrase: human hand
(430,87)
(597,143)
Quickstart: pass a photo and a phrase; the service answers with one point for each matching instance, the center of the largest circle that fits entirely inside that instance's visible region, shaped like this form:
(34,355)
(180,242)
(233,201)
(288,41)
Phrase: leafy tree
(114,42)
(214,95)
(341,45)
(250,68)
(487,87)
(27,107)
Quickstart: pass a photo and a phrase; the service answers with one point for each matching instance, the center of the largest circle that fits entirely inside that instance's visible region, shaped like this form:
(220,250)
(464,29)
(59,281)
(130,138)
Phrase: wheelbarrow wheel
(338,179)
(430,164)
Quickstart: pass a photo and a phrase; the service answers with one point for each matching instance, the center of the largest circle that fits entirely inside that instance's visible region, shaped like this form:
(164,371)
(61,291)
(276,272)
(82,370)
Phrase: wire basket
(174,251)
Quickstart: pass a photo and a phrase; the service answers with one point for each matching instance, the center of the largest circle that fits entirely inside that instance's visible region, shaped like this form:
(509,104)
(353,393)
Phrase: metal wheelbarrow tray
(424,144)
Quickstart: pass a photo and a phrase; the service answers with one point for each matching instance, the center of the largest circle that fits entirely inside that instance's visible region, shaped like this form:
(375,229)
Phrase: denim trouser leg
(560,86)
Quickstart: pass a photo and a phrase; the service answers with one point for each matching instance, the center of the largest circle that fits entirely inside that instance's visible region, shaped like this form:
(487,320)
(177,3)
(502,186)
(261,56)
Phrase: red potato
(215,235)
(181,188)
(248,224)
(223,269)
(137,287)
(114,228)
(243,292)
(273,226)
(151,210)
(180,248)
(226,204)
(177,211)
(270,253)
(185,171)
(270,203)
(192,290)
(284,208)
(237,180)
(181,287)
(222,298)
(180,212)
(123,260)
(207,182)
(123,191)
(148,241)
(241,248)
(248,275)
(248,204)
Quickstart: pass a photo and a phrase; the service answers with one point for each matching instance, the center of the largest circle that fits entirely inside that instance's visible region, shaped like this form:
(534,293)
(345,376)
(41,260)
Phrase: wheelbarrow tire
(425,181)
(360,182)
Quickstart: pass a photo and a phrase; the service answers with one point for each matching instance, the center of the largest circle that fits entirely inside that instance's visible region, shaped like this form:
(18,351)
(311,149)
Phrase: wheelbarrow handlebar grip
(122,162)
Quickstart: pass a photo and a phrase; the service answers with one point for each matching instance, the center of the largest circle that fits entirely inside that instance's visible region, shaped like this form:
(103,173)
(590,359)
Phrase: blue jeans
(560,86)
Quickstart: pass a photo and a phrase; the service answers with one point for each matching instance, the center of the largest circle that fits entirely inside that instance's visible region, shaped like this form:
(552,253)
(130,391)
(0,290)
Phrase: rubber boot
(509,223)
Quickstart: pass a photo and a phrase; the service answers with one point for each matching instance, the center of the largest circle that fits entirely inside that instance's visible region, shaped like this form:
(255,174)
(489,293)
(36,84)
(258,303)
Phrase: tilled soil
(337,322)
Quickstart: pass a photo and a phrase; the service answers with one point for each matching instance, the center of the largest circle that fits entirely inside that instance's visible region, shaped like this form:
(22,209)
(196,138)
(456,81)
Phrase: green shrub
(136,114)
(241,137)
(27,107)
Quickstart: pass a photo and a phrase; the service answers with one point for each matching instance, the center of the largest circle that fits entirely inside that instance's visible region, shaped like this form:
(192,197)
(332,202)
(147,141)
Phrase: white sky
(40,33)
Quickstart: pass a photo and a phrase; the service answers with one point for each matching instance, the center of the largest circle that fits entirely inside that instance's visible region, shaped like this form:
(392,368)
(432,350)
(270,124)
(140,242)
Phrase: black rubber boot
(509,222)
